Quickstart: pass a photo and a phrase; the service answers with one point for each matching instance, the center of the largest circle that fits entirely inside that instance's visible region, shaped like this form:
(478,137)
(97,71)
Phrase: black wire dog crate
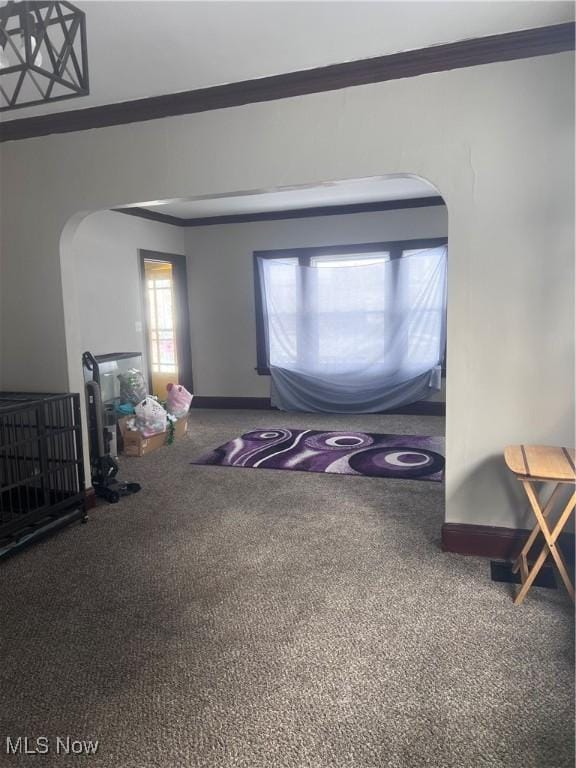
(41,462)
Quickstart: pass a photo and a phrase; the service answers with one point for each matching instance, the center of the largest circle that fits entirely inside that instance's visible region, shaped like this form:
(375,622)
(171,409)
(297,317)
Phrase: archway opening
(374,224)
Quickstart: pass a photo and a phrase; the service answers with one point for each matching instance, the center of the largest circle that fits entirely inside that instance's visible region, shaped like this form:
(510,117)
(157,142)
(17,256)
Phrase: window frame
(304,256)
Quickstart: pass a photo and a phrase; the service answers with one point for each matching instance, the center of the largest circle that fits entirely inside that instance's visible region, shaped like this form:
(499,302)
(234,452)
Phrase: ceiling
(334,193)
(138,49)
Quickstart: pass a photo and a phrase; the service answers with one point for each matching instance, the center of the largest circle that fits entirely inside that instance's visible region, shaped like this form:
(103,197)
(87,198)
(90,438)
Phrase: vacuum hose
(93,392)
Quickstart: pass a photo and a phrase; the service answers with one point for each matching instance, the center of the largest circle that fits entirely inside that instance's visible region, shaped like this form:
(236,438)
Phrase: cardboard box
(135,444)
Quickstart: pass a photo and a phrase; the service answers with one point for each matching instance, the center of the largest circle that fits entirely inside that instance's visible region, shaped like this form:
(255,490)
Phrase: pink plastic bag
(178,401)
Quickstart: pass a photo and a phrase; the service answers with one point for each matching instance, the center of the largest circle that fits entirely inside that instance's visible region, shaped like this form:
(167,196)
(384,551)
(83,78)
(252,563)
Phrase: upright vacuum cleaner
(103,465)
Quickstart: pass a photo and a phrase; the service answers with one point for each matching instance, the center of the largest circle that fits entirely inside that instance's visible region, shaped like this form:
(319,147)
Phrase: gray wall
(107,272)
(496,141)
(220,273)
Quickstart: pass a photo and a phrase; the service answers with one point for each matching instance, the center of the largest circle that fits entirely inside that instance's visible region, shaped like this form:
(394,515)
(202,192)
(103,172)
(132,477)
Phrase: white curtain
(357,333)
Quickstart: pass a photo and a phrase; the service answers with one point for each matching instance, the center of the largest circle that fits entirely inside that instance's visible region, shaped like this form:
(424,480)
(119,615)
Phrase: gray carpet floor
(242,618)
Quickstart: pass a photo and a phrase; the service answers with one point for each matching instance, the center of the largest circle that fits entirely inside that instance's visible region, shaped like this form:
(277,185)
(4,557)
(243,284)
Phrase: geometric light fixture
(43,54)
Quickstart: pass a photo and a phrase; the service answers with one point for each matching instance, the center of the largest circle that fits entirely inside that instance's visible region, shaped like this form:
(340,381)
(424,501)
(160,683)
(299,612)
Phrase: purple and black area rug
(410,457)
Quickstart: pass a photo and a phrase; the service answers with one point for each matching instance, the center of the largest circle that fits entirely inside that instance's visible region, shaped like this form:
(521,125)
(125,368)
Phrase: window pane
(350,309)
(166,347)
(154,346)
(151,307)
(164,308)
(280,281)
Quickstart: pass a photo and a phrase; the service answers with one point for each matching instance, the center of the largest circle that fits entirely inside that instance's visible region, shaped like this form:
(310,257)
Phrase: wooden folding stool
(534,464)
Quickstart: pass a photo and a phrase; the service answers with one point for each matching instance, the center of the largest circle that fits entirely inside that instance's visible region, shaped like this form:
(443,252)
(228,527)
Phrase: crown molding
(144,213)
(295,213)
(522,44)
